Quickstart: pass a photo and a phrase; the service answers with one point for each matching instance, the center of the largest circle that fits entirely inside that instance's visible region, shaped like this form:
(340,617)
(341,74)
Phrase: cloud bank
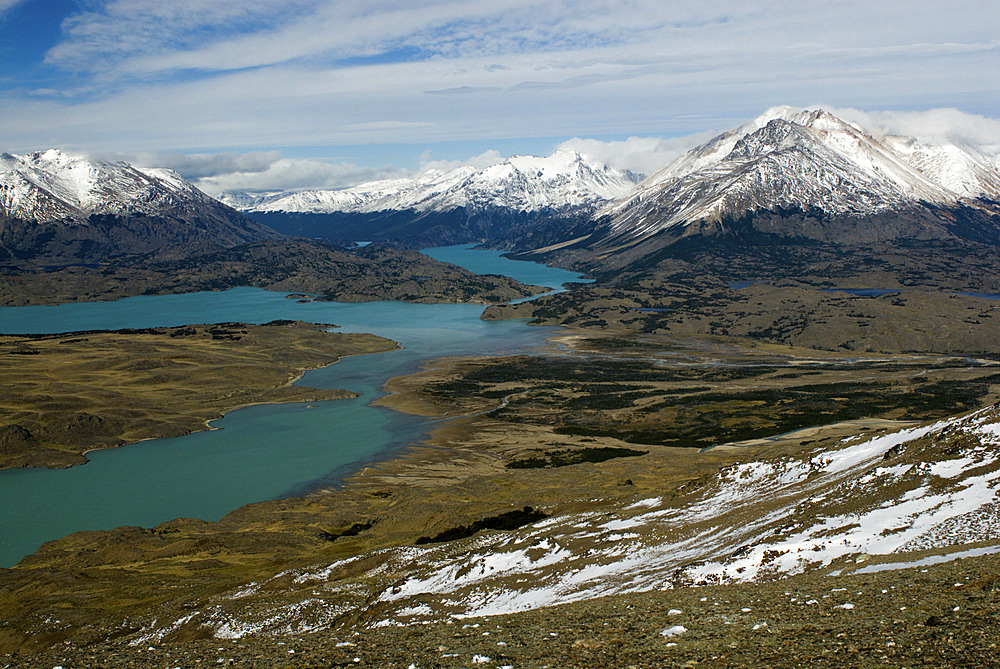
(261,171)
(217,75)
(642,155)
(946,123)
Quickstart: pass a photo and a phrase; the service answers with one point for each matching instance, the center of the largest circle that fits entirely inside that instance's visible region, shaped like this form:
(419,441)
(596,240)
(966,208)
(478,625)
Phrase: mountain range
(779,372)
(461,205)
(789,174)
(562,182)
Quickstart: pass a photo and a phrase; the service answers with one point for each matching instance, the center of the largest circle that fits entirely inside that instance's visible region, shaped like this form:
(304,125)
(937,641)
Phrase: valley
(691,392)
(268,573)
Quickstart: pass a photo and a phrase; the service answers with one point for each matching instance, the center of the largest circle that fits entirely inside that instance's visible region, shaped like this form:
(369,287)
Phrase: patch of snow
(675,630)
(923,562)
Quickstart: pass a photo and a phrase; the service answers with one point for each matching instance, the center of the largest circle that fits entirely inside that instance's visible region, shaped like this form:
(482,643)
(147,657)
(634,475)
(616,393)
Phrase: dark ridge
(352,531)
(175,331)
(415,229)
(509,520)
(566,458)
(102,236)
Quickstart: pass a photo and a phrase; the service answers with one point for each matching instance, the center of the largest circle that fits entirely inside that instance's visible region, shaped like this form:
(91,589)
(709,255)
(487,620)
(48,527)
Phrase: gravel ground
(944,615)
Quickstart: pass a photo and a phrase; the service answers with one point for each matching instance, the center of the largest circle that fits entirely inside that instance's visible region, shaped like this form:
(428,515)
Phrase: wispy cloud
(226,74)
(463,90)
(217,35)
(642,155)
(6,5)
(109,36)
(947,123)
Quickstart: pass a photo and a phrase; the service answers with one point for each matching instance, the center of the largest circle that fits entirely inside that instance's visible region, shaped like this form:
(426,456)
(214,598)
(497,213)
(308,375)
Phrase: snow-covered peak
(791,158)
(563,180)
(55,185)
(557,165)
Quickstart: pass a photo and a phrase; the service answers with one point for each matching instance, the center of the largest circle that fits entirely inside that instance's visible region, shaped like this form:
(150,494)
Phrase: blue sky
(299,93)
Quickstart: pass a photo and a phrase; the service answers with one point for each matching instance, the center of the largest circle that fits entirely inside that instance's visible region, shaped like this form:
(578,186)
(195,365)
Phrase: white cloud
(262,171)
(946,123)
(287,73)
(643,155)
(484,159)
(268,171)
(296,174)
(6,5)
(199,165)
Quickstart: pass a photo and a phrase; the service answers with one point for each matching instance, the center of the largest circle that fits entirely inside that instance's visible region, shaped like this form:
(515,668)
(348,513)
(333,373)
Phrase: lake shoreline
(266,449)
(150,374)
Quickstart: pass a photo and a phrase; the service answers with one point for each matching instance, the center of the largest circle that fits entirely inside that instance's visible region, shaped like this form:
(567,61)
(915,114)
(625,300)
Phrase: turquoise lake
(259,452)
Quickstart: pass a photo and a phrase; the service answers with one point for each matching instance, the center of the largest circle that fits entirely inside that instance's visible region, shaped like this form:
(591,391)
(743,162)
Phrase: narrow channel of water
(260,452)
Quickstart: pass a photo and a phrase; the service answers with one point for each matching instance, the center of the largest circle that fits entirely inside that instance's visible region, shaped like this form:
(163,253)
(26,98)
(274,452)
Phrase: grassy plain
(690,392)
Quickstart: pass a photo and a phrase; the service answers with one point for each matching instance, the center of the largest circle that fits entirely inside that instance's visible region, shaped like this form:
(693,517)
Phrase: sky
(292,94)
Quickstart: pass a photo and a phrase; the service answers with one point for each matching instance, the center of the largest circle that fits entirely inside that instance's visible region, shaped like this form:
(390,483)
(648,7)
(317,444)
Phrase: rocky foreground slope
(845,507)
(931,615)
(787,559)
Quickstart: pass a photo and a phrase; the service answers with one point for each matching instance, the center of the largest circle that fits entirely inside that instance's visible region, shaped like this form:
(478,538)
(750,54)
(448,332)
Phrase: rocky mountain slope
(789,159)
(807,175)
(58,207)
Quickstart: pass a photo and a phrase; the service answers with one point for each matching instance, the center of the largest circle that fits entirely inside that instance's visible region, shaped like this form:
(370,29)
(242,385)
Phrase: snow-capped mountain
(563,181)
(53,185)
(789,159)
(52,200)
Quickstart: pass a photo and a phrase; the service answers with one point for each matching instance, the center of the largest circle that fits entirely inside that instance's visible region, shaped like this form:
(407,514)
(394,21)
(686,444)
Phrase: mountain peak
(49,199)
(805,159)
